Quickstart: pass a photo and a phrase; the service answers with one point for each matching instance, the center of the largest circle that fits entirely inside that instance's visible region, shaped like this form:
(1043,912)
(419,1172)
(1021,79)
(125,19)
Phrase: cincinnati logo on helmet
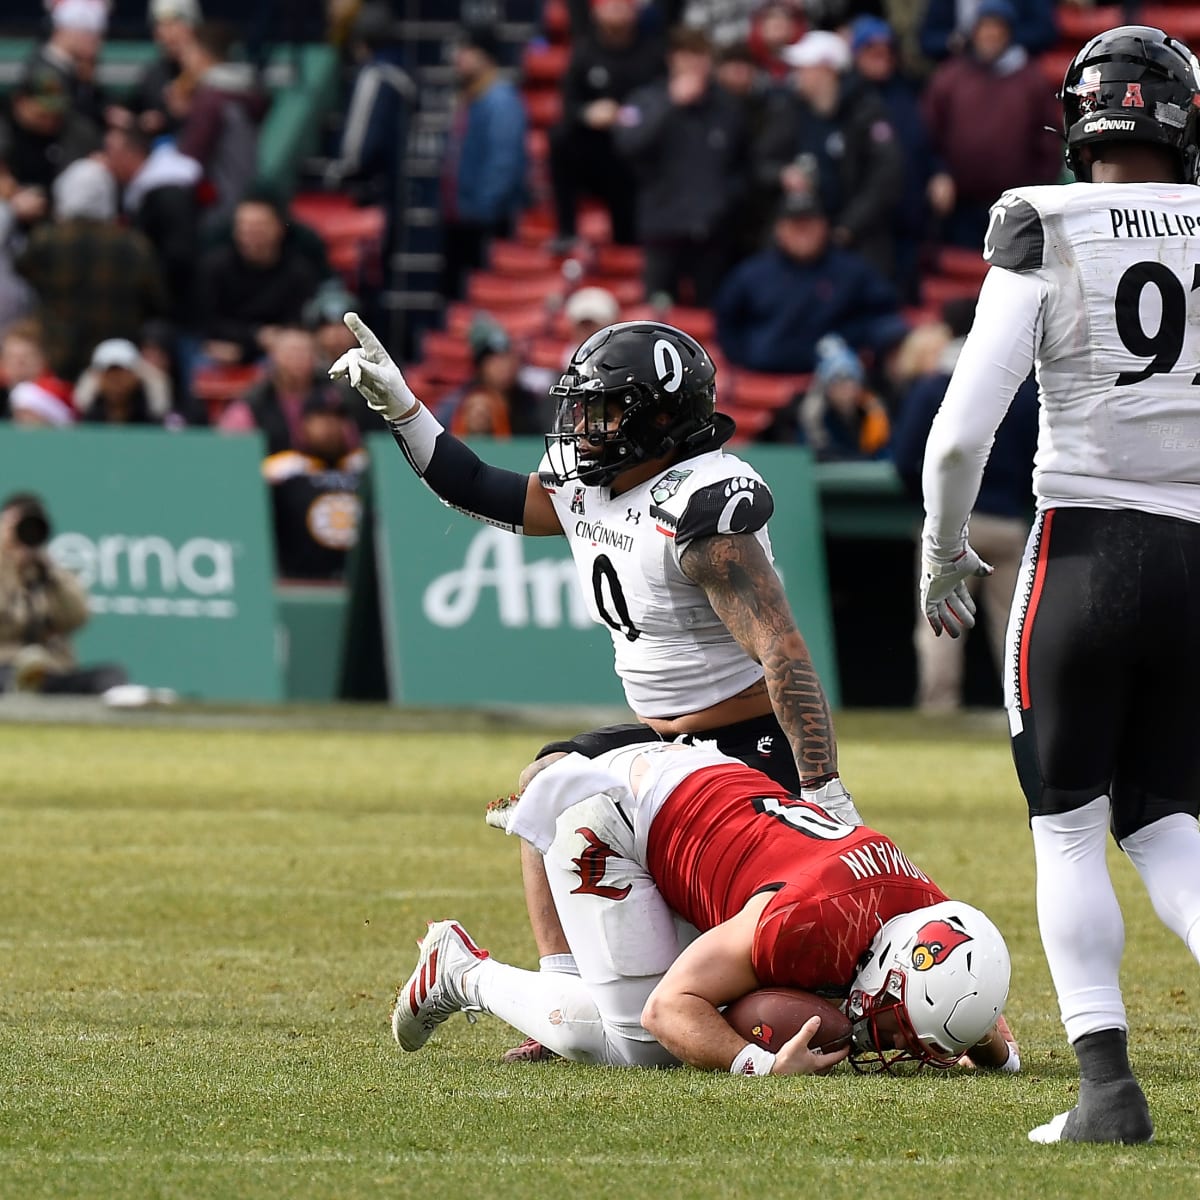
(936,941)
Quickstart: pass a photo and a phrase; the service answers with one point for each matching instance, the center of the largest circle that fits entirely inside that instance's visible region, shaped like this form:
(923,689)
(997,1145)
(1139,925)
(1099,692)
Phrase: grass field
(202,928)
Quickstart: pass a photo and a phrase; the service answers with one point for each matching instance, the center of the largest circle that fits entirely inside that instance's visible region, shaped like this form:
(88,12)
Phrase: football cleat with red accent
(530,1050)
(433,991)
(499,811)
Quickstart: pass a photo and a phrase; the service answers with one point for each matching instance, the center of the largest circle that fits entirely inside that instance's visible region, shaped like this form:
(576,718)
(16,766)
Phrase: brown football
(772,1016)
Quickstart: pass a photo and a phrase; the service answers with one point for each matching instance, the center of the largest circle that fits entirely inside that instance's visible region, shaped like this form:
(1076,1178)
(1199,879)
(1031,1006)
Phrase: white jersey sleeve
(671,651)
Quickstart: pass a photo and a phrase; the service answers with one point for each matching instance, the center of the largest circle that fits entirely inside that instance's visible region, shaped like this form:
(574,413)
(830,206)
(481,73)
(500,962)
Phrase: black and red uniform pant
(1103,673)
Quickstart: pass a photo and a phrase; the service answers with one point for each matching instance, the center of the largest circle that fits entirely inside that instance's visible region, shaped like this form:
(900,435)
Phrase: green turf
(201,929)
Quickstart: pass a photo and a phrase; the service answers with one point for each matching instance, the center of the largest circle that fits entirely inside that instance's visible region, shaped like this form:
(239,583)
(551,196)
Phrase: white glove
(371,370)
(948,606)
(834,799)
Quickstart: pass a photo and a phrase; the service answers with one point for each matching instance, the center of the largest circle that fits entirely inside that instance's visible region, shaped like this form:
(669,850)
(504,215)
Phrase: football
(772,1016)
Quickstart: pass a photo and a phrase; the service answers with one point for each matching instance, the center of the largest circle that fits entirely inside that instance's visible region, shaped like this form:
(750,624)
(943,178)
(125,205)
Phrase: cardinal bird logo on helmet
(936,941)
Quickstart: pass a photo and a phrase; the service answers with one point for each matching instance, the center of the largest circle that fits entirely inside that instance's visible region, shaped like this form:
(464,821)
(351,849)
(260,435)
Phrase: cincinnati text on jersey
(1147,223)
(596,533)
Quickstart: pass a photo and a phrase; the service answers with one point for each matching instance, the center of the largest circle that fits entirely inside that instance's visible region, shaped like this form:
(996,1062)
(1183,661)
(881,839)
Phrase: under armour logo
(632,515)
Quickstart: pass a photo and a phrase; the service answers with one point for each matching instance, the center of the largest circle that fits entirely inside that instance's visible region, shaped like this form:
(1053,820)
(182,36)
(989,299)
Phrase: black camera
(32,527)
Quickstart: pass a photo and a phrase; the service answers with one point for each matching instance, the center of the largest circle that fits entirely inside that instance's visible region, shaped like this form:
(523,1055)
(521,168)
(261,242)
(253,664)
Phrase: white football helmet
(943,971)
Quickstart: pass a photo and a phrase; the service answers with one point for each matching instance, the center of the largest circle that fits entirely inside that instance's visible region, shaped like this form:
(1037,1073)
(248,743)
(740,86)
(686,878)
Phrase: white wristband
(418,430)
(752,1060)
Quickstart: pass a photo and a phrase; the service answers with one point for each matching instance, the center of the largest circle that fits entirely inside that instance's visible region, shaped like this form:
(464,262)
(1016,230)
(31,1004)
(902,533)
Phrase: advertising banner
(170,534)
(475,615)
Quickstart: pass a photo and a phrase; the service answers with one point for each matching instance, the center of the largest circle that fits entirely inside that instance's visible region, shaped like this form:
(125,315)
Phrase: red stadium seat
(446,347)
(537,145)
(1181,21)
(751,422)
(937,289)
(216,386)
(699,322)
(547,352)
(536,226)
(1054,65)
(625,291)
(958,262)
(619,261)
(544,65)
(1077,25)
(544,106)
(518,260)
(556,20)
(486,290)
(753,389)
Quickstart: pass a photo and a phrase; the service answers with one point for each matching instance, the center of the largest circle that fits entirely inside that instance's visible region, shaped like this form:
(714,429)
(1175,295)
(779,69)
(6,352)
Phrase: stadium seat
(556,20)
(535,226)
(753,389)
(958,262)
(520,323)
(544,65)
(625,291)
(547,352)
(1054,63)
(699,322)
(1077,25)
(751,422)
(937,289)
(619,261)
(486,290)
(1182,21)
(544,106)
(215,386)
(445,347)
(518,260)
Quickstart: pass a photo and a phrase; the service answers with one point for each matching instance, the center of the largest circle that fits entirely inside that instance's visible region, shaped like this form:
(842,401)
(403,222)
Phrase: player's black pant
(1103,677)
(760,743)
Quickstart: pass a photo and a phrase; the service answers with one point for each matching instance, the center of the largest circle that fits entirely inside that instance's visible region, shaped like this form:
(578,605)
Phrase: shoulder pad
(739,504)
(1015,239)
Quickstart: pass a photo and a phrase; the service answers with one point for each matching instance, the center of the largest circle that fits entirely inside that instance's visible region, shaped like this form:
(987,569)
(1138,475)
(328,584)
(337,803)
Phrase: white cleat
(432,992)
(1051,1132)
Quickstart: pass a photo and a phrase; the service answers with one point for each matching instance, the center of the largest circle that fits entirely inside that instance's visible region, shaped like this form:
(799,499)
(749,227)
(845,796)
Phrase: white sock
(554,1007)
(564,964)
(1083,933)
(1167,857)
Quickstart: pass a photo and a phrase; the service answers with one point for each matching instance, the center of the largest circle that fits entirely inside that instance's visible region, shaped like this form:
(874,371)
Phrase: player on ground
(668,534)
(784,894)
(1095,283)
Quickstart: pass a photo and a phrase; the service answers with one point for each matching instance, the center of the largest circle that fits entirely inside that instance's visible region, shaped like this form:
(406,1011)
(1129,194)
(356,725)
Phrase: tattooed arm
(746,593)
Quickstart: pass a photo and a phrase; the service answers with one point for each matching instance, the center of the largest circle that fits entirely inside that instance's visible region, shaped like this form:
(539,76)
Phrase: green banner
(169,533)
(474,615)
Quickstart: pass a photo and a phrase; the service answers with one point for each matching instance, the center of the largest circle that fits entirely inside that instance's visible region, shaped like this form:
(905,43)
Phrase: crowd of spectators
(787,166)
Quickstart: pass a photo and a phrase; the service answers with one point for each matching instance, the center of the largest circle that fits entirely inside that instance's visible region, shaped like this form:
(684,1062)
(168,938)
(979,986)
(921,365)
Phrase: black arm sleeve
(458,476)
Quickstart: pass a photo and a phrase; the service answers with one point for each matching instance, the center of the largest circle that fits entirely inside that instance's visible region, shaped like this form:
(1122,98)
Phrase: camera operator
(40,605)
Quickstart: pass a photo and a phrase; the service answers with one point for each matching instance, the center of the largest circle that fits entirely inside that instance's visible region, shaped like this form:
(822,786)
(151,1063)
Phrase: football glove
(371,370)
(945,600)
(834,799)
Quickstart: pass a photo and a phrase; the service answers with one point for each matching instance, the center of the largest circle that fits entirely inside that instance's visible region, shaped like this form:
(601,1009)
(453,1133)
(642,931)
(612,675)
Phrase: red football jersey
(728,832)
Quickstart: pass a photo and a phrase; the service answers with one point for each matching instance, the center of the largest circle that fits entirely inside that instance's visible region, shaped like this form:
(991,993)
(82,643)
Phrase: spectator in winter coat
(776,26)
(174,25)
(776,306)
(224,111)
(611,57)
(987,110)
(685,140)
(122,388)
(832,133)
(483,174)
(159,196)
(947,26)
(93,278)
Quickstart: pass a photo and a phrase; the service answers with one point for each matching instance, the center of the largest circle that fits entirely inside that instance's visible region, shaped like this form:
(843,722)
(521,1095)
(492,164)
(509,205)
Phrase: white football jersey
(1117,341)
(672,652)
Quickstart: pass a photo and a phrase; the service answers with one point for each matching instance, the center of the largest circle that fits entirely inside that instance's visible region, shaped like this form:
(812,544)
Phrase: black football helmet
(1134,83)
(632,392)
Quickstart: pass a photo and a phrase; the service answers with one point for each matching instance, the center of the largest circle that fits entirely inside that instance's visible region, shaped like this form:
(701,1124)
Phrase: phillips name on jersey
(672,652)
(1118,349)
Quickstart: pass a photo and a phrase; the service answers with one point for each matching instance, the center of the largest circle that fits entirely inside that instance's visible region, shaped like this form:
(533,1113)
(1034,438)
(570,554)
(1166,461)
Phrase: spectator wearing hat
(221,115)
(831,133)
(948,26)
(483,173)
(588,310)
(686,142)
(275,404)
(838,418)
(159,197)
(999,523)
(43,403)
(990,112)
(776,25)
(252,285)
(174,24)
(314,491)
(776,306)
(611,57)
(723,22)
(497,401)
(93,278)
(876,58)
(121,388)
(23,359)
